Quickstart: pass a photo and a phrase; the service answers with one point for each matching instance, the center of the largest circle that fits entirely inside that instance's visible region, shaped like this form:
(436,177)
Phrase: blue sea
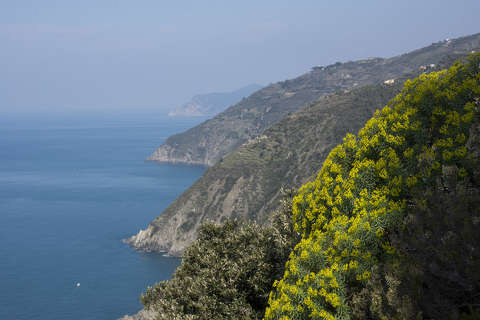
(70,191)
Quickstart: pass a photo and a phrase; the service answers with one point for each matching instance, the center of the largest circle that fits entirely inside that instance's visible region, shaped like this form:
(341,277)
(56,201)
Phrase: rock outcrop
(141,315)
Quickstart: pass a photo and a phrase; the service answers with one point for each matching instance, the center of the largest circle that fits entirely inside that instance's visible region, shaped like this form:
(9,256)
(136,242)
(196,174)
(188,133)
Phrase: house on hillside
(318,68)
(430,66)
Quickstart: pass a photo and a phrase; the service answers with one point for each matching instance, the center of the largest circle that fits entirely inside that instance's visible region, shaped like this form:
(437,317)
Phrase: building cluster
(428,66)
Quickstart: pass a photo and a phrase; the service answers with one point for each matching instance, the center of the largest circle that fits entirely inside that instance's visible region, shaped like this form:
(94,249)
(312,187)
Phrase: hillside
(210,104)
(246,183)
(208,142)
(389,226)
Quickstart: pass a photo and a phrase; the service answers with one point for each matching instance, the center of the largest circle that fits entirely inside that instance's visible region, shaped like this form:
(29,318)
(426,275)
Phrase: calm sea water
(70,191)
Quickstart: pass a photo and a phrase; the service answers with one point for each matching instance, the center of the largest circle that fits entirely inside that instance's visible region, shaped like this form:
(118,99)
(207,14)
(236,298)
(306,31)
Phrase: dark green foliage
(438,276)
(228,272)
(472,314)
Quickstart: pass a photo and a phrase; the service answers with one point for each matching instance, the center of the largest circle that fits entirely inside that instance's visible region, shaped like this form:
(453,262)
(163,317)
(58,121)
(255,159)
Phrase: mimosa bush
(374,189)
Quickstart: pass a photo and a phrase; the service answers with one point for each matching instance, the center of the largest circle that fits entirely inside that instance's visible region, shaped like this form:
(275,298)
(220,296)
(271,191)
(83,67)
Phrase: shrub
(228,272)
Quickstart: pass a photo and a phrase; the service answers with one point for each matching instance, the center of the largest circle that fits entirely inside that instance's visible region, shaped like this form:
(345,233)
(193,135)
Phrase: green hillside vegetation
(228,272)
(390,225)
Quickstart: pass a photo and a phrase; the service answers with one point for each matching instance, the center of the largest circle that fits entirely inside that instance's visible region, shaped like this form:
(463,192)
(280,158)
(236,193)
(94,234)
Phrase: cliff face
(212,140)
(246,183)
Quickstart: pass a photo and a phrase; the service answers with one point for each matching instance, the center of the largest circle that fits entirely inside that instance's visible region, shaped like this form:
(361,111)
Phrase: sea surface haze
(70,191)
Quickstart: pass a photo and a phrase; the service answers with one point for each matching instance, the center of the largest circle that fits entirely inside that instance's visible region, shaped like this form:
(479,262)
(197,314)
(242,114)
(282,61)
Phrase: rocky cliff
(141,315)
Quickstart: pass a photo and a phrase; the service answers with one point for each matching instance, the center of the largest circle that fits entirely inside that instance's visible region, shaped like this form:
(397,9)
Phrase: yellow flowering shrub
(361,195)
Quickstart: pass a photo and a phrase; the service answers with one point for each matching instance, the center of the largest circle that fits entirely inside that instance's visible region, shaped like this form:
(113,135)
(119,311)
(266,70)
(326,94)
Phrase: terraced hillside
(210,141)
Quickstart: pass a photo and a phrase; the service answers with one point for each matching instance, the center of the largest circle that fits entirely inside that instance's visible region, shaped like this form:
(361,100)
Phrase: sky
(69,56)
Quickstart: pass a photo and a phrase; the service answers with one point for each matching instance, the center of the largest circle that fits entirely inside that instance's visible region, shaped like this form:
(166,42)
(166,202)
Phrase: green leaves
(228,272)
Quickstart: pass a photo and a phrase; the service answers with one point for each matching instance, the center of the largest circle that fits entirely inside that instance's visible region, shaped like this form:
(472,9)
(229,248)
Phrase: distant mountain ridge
(246,183)
(211,104)
(213,139)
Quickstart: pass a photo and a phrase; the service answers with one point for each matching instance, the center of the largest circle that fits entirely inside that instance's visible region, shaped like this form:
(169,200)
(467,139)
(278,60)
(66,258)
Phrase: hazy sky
(117,55)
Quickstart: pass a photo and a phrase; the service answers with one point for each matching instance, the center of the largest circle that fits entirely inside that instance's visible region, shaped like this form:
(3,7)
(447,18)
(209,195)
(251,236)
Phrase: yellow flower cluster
(360,193)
